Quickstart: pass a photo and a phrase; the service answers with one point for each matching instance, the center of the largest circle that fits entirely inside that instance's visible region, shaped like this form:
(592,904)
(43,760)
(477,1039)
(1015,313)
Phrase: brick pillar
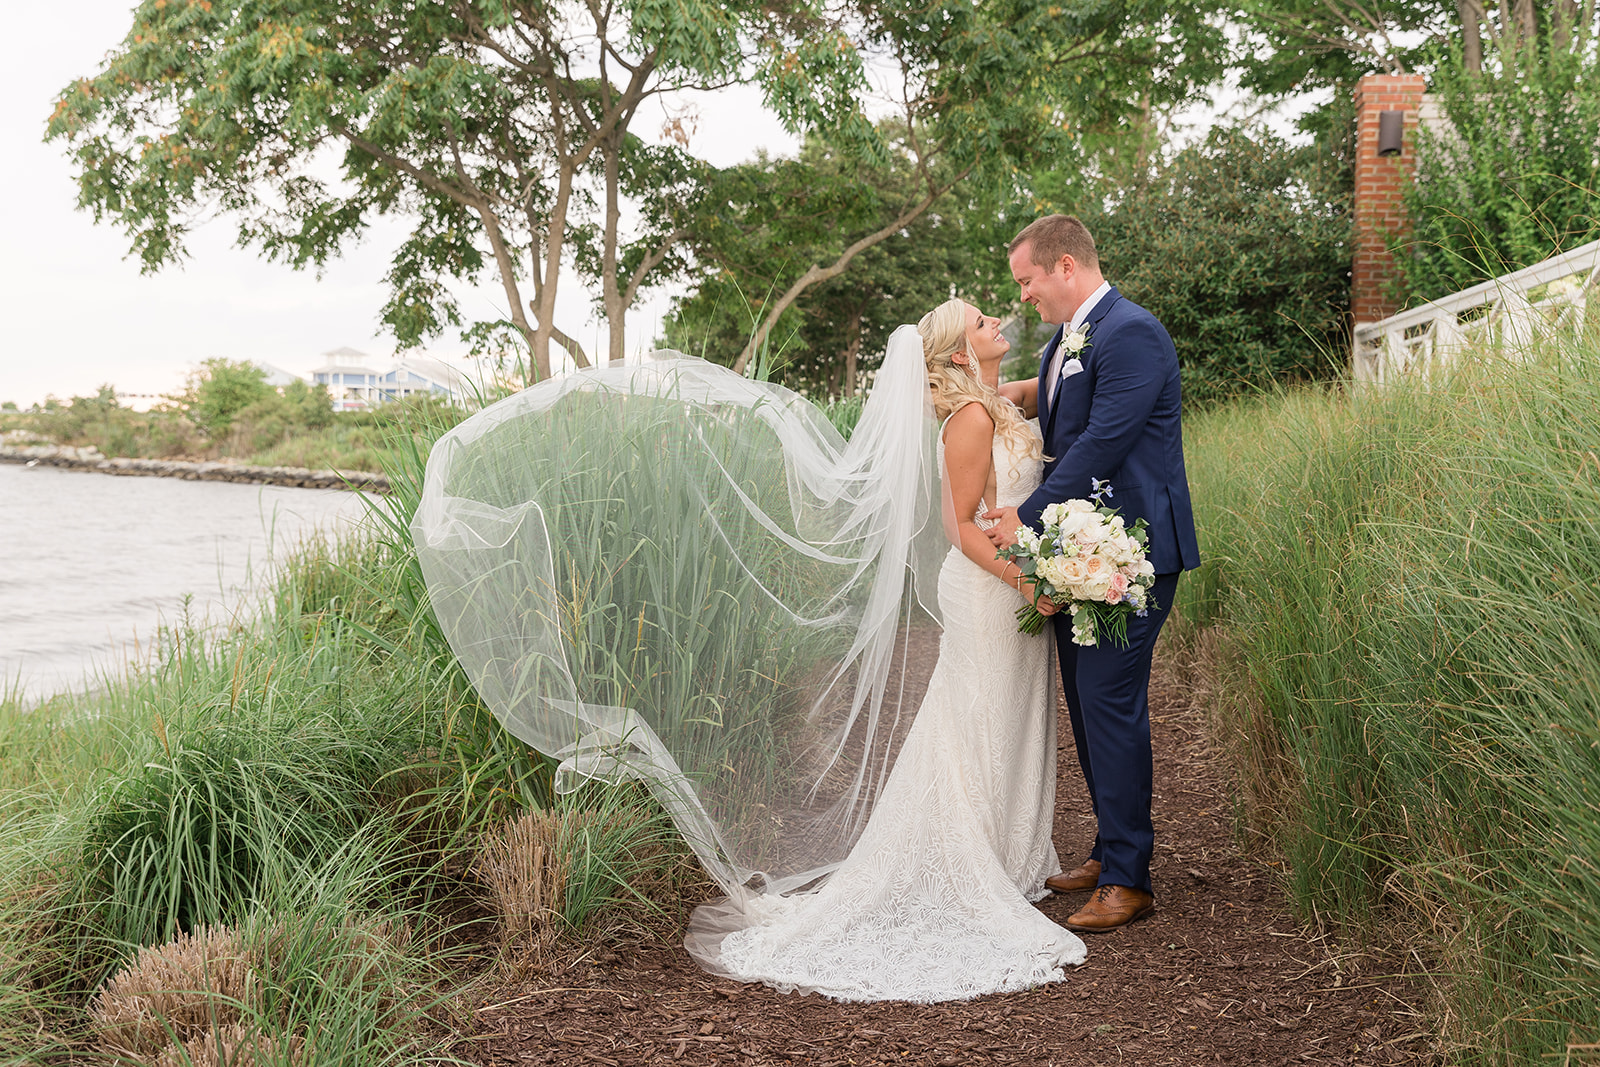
(1380,189)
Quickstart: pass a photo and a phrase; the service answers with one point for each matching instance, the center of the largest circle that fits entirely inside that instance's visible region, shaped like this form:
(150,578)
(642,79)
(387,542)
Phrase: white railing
(1508,311)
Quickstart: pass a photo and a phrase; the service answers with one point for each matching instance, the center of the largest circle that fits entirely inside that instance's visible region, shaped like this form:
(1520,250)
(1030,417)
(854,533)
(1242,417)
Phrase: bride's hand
(1044,604)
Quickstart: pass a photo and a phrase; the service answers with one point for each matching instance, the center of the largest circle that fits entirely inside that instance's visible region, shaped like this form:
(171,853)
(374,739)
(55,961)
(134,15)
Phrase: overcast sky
(77,313)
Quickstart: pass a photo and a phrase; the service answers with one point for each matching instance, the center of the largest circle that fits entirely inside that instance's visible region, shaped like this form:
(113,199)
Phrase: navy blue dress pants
(1108,695)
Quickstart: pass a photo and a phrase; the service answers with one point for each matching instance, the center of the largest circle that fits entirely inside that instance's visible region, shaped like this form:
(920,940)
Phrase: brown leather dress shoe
(1085,876)
(1110,907)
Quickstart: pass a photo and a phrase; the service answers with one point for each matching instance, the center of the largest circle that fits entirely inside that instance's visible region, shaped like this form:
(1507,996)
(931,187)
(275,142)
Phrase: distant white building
(355,385)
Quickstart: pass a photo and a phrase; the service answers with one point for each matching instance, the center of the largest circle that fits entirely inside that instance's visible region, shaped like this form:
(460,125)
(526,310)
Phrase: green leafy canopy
(488,125)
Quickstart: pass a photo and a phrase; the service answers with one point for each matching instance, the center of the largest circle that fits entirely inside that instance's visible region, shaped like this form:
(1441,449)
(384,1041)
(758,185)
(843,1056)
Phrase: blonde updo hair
(954,386)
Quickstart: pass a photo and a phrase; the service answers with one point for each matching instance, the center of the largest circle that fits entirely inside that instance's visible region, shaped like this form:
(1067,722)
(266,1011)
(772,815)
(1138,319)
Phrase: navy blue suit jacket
(1120,420)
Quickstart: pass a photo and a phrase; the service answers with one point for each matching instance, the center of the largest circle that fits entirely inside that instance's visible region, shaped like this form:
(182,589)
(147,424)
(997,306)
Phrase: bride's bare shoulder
(968,431)
(970,418)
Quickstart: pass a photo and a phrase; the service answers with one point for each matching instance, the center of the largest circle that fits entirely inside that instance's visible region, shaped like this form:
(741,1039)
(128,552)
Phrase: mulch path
(1221,973)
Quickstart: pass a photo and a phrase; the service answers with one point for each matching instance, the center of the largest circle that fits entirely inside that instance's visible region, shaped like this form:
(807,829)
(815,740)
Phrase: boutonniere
(1073,345)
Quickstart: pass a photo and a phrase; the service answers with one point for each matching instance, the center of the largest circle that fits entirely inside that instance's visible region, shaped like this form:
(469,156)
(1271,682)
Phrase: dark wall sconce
(1391,132)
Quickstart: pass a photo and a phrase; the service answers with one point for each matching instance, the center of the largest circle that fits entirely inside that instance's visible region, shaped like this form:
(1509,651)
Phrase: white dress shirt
(1079,317)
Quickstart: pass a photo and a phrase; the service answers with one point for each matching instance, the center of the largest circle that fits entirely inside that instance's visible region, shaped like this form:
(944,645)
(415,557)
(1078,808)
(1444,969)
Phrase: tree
(1240,245)
(494,125)
(220,390)
(982,90)
(781,212)
(310,405)
(1299,45)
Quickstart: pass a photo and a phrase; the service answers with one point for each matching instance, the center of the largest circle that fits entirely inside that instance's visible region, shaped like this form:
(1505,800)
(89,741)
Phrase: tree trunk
(1519,22)
(1527,20)
(1471,12)
(1563,21)
(555,234)
(852,349)
(611,295)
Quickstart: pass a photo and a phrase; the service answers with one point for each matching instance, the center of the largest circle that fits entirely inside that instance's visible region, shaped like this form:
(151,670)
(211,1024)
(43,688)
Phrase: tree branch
(648,264)
(815,274)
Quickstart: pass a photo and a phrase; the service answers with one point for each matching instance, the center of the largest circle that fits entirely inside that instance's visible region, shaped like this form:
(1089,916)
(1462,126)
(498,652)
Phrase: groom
(1109,408)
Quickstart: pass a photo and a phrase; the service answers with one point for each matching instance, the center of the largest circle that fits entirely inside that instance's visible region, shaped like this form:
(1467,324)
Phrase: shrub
(526,873)
(234,1045)
(317,984)
(1512,178)
(175,991)
(189,838)
(1240,245)
(220,390)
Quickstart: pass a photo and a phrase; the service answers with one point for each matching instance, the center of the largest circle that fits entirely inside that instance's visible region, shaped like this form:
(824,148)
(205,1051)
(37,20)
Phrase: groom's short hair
(1055,236)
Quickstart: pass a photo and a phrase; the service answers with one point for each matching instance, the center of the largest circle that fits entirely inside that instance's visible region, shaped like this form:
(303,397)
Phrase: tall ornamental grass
(308,789)
(1406,582)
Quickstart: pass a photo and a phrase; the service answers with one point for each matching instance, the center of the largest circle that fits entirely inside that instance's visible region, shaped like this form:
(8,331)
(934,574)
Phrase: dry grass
(183,989)
(233,1045)
(526,871)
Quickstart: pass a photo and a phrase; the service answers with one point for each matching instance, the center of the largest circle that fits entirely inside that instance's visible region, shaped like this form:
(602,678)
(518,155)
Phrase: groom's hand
(1004,531)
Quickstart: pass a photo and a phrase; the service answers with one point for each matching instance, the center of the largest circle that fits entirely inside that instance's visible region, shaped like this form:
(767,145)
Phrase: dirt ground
(1220,973)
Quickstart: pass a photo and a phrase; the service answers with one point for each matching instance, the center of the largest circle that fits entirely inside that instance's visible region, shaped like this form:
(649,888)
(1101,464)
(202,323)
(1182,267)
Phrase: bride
(861,859)
(933,903)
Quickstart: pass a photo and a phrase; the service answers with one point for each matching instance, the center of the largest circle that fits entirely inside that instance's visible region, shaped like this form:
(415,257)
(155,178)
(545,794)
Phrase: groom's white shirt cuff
(1079,317)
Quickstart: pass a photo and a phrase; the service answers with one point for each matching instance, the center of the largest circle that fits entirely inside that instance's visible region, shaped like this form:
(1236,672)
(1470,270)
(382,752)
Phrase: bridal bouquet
(1088,561)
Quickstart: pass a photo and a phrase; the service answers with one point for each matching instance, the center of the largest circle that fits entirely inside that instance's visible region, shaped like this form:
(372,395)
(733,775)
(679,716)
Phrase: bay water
(91,565)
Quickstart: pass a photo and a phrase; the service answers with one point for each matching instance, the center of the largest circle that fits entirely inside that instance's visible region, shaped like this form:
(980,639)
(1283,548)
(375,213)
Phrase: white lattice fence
(1508,311)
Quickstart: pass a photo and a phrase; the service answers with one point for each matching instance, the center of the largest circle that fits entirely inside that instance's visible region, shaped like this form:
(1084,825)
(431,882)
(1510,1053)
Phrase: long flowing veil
(668,572)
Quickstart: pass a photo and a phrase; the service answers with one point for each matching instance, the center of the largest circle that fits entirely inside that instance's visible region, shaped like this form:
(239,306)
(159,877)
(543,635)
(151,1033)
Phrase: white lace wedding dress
(934,901)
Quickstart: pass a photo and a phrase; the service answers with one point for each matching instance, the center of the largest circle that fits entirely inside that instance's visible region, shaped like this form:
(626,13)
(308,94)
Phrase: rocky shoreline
(90,459)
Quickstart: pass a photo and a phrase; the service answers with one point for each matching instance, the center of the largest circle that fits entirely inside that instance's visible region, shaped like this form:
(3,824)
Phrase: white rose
(1079,507)
(1093,533)
(1074,522)
(1096,586)
(1145,568)
(1071,571)
(1050,569)
(1074,341)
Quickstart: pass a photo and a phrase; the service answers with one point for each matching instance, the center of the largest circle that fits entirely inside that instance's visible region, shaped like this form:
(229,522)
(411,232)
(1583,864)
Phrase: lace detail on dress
(934,901)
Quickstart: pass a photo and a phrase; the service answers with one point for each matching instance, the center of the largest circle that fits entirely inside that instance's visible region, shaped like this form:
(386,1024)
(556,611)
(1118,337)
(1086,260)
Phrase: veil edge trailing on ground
(665,571)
